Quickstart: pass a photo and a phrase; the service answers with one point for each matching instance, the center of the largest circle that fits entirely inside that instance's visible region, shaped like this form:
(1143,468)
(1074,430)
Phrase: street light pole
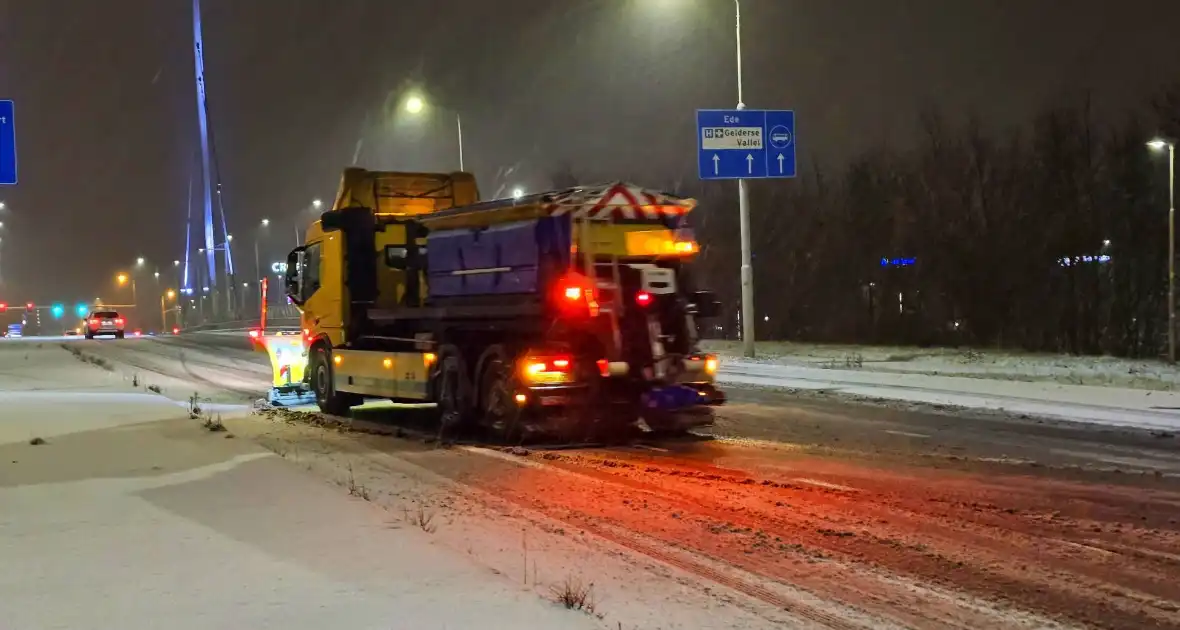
(1170,145)
(257,258)
(1171,252)
(747,271)
(459,128)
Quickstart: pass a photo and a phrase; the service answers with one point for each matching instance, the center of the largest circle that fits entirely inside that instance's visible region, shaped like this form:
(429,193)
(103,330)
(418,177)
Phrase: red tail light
(643,298)
(576,296)
(603,367)
(254,333)
(118,321)
(535,365)
(93,323)
(175,331)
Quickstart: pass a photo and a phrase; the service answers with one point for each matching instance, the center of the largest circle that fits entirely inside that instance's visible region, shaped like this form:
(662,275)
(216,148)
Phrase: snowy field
(987,364)
(1100,390)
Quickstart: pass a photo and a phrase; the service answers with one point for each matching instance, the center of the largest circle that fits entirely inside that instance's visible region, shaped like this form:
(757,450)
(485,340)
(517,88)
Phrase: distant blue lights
(1077,260)
(899,262)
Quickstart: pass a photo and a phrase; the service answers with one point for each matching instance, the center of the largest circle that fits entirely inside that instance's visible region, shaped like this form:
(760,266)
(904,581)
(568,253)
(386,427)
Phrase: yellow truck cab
(568,310)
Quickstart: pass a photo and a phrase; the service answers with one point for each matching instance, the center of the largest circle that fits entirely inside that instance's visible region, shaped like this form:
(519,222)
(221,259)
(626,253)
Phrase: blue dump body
(497,260)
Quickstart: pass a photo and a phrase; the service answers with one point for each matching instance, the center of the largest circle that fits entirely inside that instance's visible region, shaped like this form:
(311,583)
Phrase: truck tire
(452,388)
(329,400)
(497,390)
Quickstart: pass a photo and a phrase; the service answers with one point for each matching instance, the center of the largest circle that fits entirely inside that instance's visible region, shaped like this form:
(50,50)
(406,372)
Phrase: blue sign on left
(7,144)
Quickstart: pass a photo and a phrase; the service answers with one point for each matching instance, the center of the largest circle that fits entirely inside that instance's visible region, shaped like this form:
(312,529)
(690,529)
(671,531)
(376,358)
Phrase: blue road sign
(745,143)
(7,144)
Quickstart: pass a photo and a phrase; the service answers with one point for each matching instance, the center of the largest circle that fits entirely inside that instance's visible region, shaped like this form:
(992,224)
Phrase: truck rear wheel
(497,395)
(329,400)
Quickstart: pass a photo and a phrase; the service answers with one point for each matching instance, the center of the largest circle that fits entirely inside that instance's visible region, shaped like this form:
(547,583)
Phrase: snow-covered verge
(1004,365)
(1114,406)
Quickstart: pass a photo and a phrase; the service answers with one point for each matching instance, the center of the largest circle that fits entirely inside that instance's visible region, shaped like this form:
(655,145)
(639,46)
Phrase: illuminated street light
(156,275)
(265,222)
(124,278)
(176,263)
(171,294)
(517,192)
(316,203)
(139,261)
(415,104)
(2,206)
(229,238)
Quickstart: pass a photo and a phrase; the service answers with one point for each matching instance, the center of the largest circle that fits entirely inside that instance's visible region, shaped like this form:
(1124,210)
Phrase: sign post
(746,144)
(7,144)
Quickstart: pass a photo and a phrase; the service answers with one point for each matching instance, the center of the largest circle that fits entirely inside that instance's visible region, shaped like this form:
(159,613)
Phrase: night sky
(106,113)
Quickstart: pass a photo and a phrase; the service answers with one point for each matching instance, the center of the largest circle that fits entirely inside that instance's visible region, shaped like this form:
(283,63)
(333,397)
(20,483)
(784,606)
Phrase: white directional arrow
(716,164)
(780,163)
(750,163)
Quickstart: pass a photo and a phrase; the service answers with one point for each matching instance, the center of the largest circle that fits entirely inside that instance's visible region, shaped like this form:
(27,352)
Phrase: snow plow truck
(568,312)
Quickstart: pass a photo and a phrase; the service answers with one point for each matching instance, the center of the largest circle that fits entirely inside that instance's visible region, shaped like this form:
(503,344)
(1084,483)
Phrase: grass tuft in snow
(575,595)
(421,518)
(213,425)
(356,489)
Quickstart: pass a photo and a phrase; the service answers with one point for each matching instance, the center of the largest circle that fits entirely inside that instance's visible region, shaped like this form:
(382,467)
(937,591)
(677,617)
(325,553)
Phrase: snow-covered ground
(1093,389)
(130,517)
(987,364)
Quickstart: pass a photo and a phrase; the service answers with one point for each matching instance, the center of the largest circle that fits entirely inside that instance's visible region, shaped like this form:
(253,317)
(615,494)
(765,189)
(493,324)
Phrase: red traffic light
(29,307)
(3,307)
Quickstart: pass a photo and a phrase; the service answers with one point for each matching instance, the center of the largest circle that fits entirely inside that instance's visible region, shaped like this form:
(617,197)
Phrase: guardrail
(244,325)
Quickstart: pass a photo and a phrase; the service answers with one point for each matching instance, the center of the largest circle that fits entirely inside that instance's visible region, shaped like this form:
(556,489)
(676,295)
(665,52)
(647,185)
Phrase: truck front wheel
(452,389)
(329,400)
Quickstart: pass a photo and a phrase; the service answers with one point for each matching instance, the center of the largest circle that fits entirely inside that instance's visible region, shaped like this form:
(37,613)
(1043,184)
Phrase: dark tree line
(1052,238)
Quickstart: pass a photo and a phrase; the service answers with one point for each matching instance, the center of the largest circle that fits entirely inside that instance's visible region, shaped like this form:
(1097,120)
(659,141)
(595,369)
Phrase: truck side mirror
(292,276)
(706,304)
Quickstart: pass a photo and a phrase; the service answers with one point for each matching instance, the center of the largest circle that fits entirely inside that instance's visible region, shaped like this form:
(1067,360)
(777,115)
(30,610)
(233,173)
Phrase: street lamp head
(121,278)
(171,294)
(1159,144)
(2,206)
(229,238)
(265,222)
(139,261)
(415,104)
(156,275)
(176,263)
(517,192)
(316,203)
